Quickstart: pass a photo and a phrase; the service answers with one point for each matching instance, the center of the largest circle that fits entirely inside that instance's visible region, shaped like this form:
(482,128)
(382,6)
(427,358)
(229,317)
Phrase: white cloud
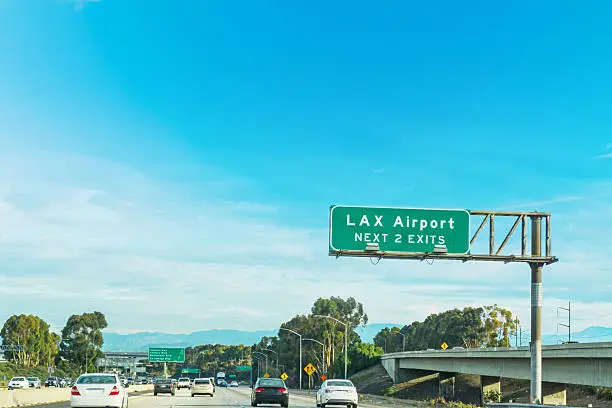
(79,234)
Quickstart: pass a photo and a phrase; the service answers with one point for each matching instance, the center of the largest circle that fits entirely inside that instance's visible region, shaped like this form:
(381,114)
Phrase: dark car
(52,382)
(164,386)
(270,391)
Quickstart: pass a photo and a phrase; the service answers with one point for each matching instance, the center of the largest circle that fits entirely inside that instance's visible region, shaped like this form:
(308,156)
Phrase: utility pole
(569,320)
(536,311)
(516,330)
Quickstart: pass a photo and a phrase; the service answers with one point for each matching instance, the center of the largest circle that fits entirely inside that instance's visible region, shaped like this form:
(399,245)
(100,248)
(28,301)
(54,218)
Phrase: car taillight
(75,391)
(259,389)
(283,390)
(114,391)
(327,390)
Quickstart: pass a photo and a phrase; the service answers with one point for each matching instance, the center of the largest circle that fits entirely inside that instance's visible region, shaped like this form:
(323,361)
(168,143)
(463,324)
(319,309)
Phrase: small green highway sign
(166,354)
(243,368)
(190,371)
(407,230)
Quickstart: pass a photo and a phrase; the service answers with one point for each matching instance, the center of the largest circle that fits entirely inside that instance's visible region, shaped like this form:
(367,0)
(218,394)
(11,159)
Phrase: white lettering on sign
(370,237)
(419,239)
(364,221)
(422,224)
(423,229)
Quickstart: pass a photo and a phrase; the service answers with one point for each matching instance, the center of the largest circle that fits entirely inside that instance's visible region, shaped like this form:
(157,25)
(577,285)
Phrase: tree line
(472,327)
(323,338)
(322,331)
(75,351)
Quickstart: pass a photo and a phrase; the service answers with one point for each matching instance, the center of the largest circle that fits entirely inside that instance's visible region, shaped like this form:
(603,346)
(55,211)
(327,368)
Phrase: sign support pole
(536,312)
(165,370)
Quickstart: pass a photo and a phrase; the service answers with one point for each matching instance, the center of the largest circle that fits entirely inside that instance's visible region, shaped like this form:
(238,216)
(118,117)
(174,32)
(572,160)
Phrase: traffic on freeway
(224,397)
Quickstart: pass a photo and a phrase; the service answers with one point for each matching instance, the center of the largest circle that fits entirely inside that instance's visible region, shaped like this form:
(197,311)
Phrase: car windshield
(97,379)
(202,381)
(271,383)
(32,378)
(340,384)
(18,379)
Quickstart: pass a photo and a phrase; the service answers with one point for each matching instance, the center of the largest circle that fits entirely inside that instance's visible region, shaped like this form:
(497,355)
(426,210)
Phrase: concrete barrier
(20,398)
(31,397)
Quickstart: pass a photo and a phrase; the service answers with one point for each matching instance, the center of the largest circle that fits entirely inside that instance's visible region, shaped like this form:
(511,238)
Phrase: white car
(18,382)
(202,386)
(183,383)
(337,392)
(98,390)
(34,382)
(234,384)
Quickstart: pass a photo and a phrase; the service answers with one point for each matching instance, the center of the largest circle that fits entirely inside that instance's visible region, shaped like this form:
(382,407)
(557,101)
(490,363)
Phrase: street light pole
(300,336)
(265,356)
(345,340)
(403,340)
(322,355)
(276,358)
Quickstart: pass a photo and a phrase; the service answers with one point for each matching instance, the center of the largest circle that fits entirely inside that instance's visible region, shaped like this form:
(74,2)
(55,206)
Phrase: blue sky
(172,164)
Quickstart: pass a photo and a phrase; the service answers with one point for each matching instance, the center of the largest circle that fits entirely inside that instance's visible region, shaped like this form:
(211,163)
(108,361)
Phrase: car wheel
(155,394)
(253,404)
(285,405)
(322,405)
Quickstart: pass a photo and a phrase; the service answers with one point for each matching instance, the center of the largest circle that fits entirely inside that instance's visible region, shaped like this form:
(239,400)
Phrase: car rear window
(19,379)
(202,381)
(164,382)
(31,378)
(97,379)
(340,384)
(271,383)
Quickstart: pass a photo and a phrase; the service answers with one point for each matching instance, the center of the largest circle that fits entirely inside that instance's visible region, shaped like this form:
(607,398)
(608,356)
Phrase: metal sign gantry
(535,258)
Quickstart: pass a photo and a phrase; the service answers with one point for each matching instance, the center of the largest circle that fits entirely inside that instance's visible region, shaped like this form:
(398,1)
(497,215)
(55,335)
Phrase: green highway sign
(402,230)
(166,354)
(232,376)
(190,371)
(243,368)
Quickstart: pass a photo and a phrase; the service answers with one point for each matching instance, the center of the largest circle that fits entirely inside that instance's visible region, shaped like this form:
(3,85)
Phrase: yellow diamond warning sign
(310,369)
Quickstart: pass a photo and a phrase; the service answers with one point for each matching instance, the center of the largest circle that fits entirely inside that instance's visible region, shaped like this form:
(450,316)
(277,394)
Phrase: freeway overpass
(131,361)
(581,363)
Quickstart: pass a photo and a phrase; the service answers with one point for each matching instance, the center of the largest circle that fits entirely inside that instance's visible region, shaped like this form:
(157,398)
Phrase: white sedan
(18,382)
(337,392)
(98,390)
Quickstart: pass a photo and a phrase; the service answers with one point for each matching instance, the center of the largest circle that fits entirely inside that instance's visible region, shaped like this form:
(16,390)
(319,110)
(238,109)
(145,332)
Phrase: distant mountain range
(143,340)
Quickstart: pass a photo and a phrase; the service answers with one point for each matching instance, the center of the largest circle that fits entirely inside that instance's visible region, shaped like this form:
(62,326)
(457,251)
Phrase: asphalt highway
(224,397)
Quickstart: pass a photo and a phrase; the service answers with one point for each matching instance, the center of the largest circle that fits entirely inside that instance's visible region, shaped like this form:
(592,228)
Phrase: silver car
(34,382)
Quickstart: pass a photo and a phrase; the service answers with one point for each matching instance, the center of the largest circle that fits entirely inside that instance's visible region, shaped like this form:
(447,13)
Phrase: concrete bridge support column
(489,384)
(554,393)
(447,386)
